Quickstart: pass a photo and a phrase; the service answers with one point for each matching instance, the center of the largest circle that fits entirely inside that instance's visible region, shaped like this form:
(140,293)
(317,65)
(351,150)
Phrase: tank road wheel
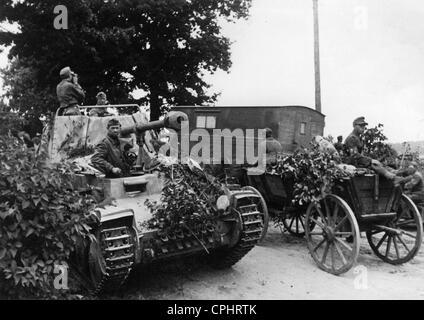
(248,229)
(399,240)
(262,207)
(334,244)
(111,258)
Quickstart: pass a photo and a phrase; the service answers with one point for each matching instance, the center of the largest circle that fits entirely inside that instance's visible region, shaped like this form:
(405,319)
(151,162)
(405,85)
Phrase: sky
(372,62)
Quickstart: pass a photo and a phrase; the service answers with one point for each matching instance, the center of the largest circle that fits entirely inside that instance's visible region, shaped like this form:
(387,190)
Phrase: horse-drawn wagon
(365,203)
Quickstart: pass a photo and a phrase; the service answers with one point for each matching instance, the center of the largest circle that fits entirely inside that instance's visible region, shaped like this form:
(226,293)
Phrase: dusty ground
(280,268)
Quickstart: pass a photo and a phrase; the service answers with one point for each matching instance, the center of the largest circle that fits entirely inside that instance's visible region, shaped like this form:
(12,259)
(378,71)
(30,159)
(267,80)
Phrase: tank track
(250,235)
(118,250)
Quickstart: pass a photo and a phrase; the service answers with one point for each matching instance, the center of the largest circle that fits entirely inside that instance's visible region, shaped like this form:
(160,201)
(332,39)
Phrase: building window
(211,122)
(302,127)
(201,122)
(208,122)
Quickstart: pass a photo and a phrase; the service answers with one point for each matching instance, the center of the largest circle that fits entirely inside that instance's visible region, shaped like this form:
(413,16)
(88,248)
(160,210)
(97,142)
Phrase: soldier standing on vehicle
(354,147)
(109,154)
(69,92)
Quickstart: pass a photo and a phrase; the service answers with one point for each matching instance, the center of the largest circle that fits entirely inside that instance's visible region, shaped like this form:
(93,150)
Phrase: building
(292,126)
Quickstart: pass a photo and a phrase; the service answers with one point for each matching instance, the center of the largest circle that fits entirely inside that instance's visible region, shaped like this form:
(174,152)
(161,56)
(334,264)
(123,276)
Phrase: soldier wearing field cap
(109,156)
(101,101)
(354,147)
(69,92)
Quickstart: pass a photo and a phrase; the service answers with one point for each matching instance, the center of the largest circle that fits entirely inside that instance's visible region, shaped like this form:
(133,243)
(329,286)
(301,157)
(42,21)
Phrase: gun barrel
(173,120)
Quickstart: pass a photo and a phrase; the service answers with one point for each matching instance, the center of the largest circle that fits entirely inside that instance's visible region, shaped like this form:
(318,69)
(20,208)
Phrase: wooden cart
(367,203)
(278,195)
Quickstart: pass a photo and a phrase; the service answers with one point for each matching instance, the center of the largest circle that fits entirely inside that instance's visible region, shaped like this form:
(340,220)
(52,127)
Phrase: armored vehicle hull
(122,238)
(124,241)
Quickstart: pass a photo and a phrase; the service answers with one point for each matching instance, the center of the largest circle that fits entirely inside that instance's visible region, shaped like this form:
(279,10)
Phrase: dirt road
(281,268)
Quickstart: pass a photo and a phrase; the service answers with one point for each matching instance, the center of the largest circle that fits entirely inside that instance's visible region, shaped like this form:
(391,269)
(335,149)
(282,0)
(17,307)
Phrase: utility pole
(316,58)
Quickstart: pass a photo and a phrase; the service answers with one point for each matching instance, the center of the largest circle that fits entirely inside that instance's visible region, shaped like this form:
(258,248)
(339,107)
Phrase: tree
(164,47)
(39,51)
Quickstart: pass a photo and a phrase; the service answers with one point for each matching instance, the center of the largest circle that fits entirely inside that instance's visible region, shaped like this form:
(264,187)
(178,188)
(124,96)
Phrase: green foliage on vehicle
(188,200)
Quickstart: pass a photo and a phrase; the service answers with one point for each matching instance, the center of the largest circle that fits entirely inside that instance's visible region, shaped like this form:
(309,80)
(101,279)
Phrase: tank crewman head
(113,128)
(340,139)
(65,73)
(359,125)
(101,98)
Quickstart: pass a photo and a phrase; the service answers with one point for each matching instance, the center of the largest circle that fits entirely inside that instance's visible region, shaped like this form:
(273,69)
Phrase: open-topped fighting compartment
(78,135)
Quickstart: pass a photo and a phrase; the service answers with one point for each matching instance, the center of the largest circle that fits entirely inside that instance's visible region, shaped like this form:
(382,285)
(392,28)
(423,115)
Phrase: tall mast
(316,58)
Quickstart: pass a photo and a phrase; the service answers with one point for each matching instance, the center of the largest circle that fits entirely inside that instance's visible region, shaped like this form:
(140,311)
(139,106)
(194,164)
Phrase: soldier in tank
(101,101)
(109,156)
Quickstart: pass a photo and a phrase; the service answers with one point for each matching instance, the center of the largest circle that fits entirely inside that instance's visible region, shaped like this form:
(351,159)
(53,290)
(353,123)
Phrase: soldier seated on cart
(414,184)
(109,156)
(354,156)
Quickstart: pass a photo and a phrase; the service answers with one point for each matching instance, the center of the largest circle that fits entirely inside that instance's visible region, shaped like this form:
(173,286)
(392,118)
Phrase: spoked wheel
(334,244)
(262,207)
(399,240)
(294,223)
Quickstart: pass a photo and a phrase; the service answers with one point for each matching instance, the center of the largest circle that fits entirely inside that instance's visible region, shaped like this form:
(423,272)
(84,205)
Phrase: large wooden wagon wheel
(262,207)
(398,240)
(334,244)
(294,222)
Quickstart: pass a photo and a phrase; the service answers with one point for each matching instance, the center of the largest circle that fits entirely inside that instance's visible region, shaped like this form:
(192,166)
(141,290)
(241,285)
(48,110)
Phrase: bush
(10,121)
(375,145)
(41,218)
